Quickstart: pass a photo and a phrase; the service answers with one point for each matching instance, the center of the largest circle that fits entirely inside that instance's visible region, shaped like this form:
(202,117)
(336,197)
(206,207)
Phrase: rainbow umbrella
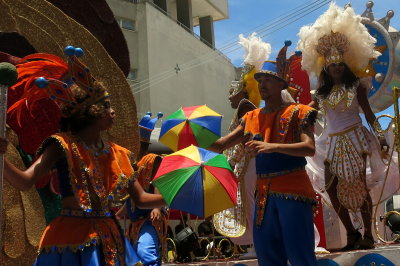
(197,125)
(197,181)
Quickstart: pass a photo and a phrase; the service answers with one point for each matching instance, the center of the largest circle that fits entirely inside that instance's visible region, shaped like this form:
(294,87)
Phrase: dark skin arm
(314,104)
(306,146)
(143,199)
(362,98)
(235,137)
(24,180)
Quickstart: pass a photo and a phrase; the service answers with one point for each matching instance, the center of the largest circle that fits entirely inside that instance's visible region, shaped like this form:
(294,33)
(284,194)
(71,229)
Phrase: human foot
(353,239)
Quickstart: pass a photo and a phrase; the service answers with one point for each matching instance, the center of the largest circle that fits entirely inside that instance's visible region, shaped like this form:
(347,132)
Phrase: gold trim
(345,131)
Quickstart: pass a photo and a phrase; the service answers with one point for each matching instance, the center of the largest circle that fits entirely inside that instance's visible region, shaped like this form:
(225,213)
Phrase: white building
(170,65)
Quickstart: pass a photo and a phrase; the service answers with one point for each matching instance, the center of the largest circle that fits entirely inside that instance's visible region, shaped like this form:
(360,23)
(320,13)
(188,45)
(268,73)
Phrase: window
(132,74)
(125,23)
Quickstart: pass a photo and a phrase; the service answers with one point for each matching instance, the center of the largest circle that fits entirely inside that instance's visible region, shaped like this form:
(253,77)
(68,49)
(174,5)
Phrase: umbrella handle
(3,111)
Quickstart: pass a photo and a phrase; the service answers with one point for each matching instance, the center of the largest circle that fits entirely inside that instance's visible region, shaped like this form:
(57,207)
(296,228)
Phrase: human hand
(155,216)
(384,147)
(255,147)
(3,145)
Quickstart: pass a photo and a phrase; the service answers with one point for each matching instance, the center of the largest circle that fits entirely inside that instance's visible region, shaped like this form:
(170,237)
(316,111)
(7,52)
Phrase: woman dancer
(93,174)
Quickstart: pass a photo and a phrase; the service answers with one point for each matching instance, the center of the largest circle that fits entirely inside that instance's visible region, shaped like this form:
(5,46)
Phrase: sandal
(366,243)
(353,240)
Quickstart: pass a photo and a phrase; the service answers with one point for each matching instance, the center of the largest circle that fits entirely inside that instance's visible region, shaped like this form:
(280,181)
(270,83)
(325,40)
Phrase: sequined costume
(89,236)
(239,220)
(146,238)
(344,144)
(283,224)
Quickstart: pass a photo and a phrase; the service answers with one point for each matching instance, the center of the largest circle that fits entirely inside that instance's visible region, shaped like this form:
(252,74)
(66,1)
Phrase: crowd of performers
(267,148)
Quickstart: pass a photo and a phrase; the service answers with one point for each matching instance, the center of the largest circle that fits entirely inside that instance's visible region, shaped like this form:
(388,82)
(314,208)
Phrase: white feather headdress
(256,51)
(338,34)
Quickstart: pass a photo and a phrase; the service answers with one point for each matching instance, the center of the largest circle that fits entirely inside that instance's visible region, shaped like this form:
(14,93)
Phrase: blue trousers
(89,256)
(148,245)
(286,233)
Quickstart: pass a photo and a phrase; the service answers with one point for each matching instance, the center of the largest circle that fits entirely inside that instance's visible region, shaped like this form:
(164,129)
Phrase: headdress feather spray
(328,36)
(256,52)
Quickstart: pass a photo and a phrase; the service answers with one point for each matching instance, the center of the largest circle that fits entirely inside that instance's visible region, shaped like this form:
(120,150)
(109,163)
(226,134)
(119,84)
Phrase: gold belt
(344,131)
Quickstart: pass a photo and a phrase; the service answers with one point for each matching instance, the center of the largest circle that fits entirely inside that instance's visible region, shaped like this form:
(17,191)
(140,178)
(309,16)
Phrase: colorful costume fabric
(232,222)
(284,191)
(145,238)
(89,236)
(344,144)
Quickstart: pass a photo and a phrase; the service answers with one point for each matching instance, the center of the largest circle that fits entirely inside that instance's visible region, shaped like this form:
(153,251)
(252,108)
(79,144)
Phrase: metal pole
(3,112)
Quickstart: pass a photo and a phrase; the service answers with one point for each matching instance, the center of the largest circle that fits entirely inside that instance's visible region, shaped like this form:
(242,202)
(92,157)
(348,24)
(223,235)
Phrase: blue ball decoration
(288,42)
(69,50)
(373,259)
(160,114)
(327,262)
(41,82)
(78,52)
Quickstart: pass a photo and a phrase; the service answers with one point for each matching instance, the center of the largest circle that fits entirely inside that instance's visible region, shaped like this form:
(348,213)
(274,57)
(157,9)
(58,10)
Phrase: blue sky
(247,16)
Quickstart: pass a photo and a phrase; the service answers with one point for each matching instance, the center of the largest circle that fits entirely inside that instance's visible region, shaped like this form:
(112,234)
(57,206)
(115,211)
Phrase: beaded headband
(79,74)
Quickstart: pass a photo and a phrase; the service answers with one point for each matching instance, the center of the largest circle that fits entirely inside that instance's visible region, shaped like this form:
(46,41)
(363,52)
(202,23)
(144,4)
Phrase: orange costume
(280,174)
(96,180)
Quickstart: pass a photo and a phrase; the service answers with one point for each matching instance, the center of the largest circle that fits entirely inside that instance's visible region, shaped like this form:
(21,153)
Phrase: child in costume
(280,136)
(93,174)
(148,228)
(335,48)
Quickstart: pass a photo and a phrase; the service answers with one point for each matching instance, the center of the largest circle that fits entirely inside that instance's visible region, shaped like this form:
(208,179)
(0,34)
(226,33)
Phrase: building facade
(171,66)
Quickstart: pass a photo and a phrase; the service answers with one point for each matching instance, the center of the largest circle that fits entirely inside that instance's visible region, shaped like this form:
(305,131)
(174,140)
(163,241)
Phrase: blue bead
(41,82)
(53,97)
(58,91)
(89,210)
(69,50)
(106,235)
(288,42)
(94,241)
(281,131)
(78,52)
(110,197)
(108,214)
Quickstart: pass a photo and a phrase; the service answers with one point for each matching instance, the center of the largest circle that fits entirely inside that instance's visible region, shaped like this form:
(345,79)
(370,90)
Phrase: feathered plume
(337,20)
(256,51)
